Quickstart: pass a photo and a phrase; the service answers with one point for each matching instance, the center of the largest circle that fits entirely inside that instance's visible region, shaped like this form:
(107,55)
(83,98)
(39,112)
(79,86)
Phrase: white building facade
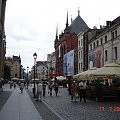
(105,47)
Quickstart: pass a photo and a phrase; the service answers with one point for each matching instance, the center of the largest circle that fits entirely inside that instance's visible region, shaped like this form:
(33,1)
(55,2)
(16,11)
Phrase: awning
(86,74)
(108,69)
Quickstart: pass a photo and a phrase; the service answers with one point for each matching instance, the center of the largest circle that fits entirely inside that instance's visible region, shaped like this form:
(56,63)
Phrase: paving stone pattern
(80,110)
(44,111)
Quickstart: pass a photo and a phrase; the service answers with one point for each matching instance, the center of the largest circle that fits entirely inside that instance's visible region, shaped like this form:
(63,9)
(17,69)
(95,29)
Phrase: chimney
(108,23)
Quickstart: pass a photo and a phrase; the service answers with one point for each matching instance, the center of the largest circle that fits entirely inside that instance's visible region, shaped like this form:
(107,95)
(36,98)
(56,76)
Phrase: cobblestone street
(53,108)
(90,110)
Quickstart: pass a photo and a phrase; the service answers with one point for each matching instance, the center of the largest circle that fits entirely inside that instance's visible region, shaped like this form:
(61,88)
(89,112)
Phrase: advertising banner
(69,63)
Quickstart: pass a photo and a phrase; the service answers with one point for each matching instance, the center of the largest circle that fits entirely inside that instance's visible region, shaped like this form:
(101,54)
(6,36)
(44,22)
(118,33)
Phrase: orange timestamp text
(110,108)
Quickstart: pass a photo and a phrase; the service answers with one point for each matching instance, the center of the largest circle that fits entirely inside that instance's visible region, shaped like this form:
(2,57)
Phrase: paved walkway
(19,107)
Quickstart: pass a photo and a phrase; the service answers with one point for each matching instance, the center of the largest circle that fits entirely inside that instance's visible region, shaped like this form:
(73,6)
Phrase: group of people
(41,89)
(12,84)
(21,85)
(78,90)
(52,86)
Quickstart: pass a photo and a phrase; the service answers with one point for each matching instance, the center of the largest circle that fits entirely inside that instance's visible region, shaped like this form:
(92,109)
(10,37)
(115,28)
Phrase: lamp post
(35,57)
(27,73)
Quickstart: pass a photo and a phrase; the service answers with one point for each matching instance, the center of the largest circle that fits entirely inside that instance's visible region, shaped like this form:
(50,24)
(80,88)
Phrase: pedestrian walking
(14,85)
(56,87)
(82,93)
(39,92)
(21,87)
(27,84)
(44,89)
(50,87)
(11,84)
(74,91)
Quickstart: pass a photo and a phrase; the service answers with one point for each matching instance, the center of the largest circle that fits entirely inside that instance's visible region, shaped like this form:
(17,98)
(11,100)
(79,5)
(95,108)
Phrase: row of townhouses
(16,69)
(79,47)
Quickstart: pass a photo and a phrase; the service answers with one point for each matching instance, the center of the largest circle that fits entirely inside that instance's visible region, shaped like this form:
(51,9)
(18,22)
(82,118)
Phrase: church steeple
(78,12)
(57,32)
(67,20)
(71,19)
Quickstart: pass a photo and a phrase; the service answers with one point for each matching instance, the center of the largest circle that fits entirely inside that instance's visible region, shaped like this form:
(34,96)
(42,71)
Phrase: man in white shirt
(39,91)
(83,87)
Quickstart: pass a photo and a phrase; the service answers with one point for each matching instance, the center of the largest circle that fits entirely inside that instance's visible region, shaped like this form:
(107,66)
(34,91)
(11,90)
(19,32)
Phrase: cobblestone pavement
(43,109)
(91,110)
(55,108)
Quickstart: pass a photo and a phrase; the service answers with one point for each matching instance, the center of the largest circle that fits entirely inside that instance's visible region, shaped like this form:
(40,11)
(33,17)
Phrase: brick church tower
(67,41)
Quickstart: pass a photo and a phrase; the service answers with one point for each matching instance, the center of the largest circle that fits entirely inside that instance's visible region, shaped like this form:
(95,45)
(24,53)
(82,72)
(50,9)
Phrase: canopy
(85,74)
(108,69)
(15,78)
(22,79)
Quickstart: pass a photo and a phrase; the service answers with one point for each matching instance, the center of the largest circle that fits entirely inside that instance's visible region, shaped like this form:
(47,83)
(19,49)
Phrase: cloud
(30,25)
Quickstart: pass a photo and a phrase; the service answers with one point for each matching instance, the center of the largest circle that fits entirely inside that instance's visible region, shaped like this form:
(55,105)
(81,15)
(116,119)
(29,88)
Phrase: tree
(7,71)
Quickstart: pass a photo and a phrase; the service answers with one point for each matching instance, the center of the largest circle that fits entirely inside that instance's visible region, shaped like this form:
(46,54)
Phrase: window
(112,35)
(94,45)
(116,33)
(97,43)
(90,46)
(101,41)
(81,54)
(81,42)
(105,38)
(106,55)
(115,52)
(79,66)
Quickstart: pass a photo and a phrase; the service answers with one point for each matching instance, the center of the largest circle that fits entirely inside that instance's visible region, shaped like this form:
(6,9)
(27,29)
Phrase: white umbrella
(61,78)
(85,74)
(108,69)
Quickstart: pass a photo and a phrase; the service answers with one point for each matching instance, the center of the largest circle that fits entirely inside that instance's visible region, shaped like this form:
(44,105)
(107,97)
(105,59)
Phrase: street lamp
(27,77)
(35,57)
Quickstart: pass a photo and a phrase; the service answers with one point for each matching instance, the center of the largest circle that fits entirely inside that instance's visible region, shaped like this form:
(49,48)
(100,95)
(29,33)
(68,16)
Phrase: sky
(30,25)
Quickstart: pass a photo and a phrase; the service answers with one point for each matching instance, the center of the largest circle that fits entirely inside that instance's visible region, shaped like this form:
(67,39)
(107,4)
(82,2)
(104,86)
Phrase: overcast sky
(30,25)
